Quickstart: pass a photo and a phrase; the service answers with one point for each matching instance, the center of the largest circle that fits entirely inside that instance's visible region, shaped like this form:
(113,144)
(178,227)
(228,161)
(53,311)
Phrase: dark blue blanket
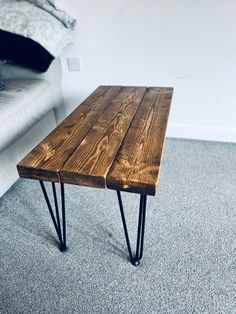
(24,51)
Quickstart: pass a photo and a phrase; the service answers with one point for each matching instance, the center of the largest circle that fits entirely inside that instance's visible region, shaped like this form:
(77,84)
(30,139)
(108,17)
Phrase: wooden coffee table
(113,140)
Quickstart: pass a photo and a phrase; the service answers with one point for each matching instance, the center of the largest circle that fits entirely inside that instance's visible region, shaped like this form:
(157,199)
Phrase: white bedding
(31,21)
(22,103)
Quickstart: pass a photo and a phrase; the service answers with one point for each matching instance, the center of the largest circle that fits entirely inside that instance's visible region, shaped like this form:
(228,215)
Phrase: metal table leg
(135,259)
(60,228)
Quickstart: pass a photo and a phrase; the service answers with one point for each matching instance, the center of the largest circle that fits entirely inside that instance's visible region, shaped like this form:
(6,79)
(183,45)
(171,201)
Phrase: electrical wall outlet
(73,64)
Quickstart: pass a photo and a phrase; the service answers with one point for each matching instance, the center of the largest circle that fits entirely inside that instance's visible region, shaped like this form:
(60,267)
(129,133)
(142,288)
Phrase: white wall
(187,44)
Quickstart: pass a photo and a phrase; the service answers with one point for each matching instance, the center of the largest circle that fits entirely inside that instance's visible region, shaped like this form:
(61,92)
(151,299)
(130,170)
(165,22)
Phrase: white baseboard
(200,132)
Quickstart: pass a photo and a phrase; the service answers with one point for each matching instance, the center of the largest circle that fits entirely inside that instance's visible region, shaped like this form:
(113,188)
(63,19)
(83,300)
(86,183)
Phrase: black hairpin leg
(135,259)
(60,230)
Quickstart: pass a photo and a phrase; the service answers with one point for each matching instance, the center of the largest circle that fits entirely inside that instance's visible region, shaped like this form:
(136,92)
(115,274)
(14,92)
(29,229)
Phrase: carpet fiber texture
(189,263)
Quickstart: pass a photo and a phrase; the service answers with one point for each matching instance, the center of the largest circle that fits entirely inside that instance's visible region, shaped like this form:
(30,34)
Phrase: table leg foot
(135,259)
(63,248)
(135,263)
(58,222)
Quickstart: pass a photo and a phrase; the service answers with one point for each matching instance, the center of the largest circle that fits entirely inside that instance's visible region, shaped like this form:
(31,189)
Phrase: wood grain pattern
(114,139)
(45,161)
(93,158)
(136,166)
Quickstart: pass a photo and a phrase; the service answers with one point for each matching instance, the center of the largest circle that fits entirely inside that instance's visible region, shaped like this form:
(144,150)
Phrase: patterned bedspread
(38,20)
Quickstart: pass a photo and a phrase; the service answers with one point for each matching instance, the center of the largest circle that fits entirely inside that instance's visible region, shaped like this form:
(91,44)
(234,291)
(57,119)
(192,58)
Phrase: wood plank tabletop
(114,139)
(47,159)
(136,166)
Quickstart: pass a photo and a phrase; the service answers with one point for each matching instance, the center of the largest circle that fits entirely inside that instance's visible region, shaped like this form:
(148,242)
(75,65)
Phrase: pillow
(24,51)
(55,9)
(28,20)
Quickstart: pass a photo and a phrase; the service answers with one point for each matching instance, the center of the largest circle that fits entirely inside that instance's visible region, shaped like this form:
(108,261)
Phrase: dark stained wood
(45,161)
(136,166)
(114,139)
(93,158)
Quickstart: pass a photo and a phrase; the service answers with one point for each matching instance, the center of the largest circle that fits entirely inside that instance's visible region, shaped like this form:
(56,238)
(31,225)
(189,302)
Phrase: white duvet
(38,20)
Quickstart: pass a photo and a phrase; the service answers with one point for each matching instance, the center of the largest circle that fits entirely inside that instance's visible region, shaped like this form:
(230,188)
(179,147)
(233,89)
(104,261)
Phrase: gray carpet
(189,263)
